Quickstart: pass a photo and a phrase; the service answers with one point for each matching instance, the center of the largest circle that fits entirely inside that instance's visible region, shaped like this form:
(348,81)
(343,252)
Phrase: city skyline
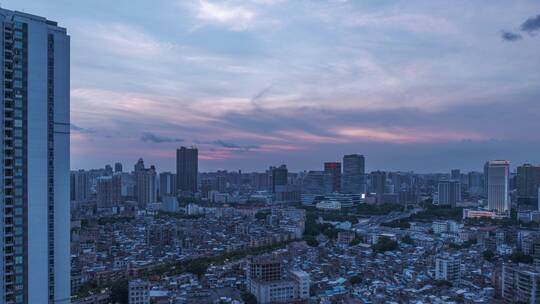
(410,85)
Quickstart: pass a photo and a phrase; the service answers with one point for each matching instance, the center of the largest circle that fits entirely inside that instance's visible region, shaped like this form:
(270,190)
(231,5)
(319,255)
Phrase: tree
(442,283)
(311,241)
(357,279)
(197,268)
(120,292)
(488,255)
(356,241)
(249,298)
(261,215)
(384,244)
(407,240)
(518,257)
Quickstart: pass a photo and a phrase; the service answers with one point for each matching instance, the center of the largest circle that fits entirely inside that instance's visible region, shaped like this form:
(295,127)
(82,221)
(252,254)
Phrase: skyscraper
(476,183)
(378,184)
(496,174)
(334,169)
(449,193)
(527,183)
(117,167)
(145,184)
(279,177)
(35,239)
(187,169)
(109,191)
(353,174)
(317,182)
(167,184)
(455,174)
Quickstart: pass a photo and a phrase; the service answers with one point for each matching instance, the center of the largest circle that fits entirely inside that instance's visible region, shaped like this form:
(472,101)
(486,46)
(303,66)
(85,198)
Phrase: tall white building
(34,201)
(496,174)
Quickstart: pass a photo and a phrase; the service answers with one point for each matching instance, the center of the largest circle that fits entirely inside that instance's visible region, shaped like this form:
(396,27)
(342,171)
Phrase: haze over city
(413,85)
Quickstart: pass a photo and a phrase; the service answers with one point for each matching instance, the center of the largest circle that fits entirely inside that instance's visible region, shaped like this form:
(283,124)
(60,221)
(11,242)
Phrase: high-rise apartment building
(449,193)
(455,174)
(334,168)
(475,183)
(353,174)
(35,221)
(496,174)
(520,283)
(108,191)
(187,170)
(167,184)
(117,167)
(145,184)
(279,177)
(527,183)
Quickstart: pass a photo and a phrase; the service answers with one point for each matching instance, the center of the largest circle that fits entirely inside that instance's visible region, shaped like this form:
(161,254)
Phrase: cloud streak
(531,25)
(158,139)
(510,36)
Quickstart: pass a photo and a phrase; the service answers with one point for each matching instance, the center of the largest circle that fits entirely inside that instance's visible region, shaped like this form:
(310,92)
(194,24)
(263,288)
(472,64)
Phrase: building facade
(35,255)
(353,178)
(496,174)
(527,183)
(449,193)
(334,169)
(187,169)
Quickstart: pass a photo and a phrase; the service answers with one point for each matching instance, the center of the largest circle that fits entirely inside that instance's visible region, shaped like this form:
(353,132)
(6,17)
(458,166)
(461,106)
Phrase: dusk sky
(413,85)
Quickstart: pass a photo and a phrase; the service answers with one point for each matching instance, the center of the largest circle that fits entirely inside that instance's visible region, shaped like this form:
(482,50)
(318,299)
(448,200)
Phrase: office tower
(455,174)
(496,174)
(527,183)
(520,283)
(334,169)
(187,169)
(353,174)
(476,183)
(448,267)
(449,193)
(108,191)
(167,184)
(317,182)
(117,167)
(35,239)
(279,177)
(145,184)
(378,184)
(108,170)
